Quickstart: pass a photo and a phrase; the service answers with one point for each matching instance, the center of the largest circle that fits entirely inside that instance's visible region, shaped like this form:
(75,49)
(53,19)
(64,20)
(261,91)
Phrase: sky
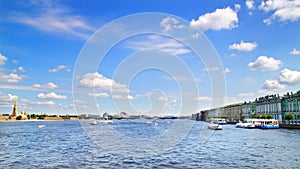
(246,49)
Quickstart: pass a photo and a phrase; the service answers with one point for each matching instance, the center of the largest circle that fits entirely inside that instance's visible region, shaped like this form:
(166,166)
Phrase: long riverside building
(276,106)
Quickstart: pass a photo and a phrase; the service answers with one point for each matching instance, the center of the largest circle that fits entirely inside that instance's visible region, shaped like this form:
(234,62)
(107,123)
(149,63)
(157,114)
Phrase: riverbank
(290,126)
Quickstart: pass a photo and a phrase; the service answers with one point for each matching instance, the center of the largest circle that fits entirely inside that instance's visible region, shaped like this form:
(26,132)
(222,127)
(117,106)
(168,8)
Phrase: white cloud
(59,68)
(267,21)
(220,19)
(284,10)
(203,99)
(7,97)
(51,95)
(19,69)
(96,80)
(162,98)
(170,23)
(33,103)
(246,94)
(3,59)
(156,42)
(122,97)
(49,85)
(50,18)
(272,85)
(295,52)
(46,103)
(289,77)
(103,94)
(10,78)
(211,69)
(15,61)
(250,4)
(243,46)
(264,63)
(226,70)
(237,7)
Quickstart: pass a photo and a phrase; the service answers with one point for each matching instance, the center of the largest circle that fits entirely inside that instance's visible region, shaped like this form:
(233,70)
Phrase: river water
(74,144)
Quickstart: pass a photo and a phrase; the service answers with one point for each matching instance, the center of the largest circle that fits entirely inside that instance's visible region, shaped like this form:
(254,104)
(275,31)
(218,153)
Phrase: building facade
(290,104)
(248,110)
(269,105)
(233,111)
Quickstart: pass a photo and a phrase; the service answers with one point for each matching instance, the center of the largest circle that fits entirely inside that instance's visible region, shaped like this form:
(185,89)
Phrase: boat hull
(215,127)
(269,127)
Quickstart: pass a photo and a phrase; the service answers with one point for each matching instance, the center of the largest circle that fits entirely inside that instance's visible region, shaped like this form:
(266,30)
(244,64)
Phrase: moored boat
(93,122)
(105,121)
(245,125)
(264,123)
(214,126)
(218,121)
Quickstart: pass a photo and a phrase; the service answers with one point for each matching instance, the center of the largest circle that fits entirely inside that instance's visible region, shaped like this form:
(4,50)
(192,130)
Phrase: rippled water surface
(66,144)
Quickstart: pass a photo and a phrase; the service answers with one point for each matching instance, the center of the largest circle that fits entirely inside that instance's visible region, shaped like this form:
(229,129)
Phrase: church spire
(15,108)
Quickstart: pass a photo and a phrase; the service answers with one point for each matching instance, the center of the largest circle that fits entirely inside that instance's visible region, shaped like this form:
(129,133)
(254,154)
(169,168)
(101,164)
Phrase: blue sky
(257,43)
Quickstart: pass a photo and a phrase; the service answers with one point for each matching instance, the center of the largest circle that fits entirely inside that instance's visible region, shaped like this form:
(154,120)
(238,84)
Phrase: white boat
(41,126)
(245,125)
(219,121)
(214,126)
(93,122)
(264,123)
(105,121)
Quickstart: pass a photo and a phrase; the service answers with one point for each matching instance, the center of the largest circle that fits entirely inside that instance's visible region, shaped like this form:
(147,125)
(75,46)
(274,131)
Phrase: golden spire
(15,108)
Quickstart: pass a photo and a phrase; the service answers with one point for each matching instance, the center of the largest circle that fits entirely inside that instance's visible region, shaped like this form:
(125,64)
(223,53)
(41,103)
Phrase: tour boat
(214,126)
(93,122)
(269,124)
(219,121)
(245,125)
(105,121)
(264,123)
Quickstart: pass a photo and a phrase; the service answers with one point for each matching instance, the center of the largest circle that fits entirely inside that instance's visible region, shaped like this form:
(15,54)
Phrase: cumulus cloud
(170,23)
(51,95)
(264,63)
(226,70)
(246,94)
(46,103)
(225,18)
(49,85)
(59,68)
(272,85)
(295,52)
(162,98)
(10,78)
(122,97)
(100,82)
(284,10)
(19,69)
(289,77)
(211,69)
(203,99)
(250,4)
(3,59)
(6,98)
(103,94)
(159,43)
(243,46)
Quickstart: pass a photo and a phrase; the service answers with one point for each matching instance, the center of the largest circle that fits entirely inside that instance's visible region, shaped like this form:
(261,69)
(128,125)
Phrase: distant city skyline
(257,43)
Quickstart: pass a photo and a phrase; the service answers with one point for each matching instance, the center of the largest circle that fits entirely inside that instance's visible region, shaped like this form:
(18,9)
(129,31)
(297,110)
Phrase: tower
(15,109)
